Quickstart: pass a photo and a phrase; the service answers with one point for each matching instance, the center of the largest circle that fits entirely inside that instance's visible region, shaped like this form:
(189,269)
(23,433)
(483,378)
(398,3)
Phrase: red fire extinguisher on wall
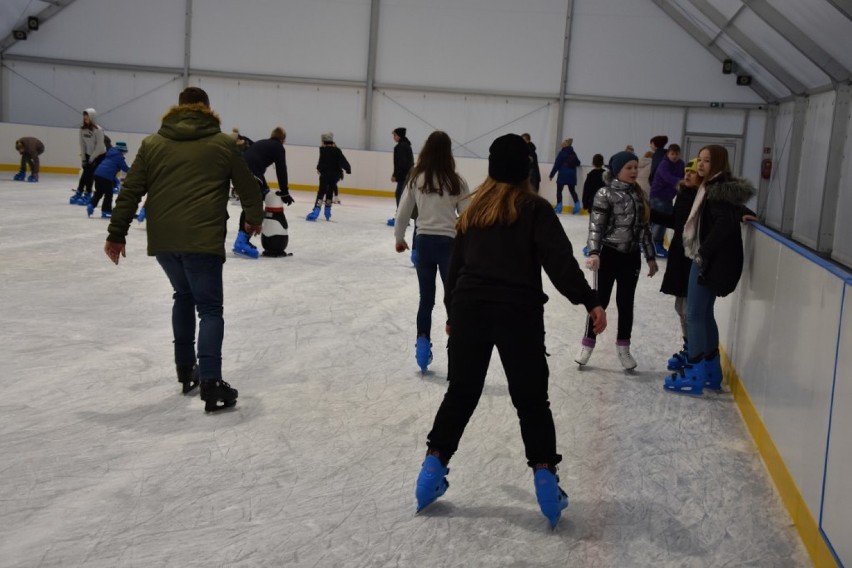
(766,168)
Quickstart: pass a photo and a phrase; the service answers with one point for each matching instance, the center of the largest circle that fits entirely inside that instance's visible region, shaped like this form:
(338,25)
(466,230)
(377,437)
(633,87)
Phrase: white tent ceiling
(787,47)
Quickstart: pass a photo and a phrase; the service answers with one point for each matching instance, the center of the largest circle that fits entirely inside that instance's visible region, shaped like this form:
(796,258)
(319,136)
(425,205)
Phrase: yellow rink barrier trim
(806,525)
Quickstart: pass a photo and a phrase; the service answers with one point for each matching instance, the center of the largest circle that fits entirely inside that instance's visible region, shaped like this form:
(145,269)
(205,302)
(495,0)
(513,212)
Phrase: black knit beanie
(509,159)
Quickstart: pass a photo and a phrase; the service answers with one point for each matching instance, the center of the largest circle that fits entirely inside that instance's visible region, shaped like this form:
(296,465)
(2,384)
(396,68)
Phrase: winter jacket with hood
(617,220)
(403,159)
(720,241)
(332,163)
(566,164)
(678,265)
(186,169)
(664,184)
(92,138)
(264,153)
(112,162)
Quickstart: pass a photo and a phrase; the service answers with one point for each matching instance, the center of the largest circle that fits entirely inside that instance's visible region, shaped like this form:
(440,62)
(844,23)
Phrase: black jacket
(263,154)
(332,162)
(535,172)
(502,264)
(678,265)
(594,181)
(719,234)
(403,159)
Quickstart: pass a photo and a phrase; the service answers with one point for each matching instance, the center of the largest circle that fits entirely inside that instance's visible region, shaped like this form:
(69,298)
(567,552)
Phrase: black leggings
(623,269)
(571,189)
(87,177)
(518,333)
(327,190)
(103,188)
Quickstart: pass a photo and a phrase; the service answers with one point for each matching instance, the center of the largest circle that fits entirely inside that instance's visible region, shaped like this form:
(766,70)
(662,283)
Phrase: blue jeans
(701,326)
(658,232)
(197,282)
(433,255)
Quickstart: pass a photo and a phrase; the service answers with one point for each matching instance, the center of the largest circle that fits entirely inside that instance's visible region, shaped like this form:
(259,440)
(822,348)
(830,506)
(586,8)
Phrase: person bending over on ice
(494,297)
(30,149)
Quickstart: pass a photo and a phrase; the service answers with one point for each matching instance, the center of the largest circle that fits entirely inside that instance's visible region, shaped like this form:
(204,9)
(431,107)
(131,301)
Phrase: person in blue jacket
(566,164)
(105,174)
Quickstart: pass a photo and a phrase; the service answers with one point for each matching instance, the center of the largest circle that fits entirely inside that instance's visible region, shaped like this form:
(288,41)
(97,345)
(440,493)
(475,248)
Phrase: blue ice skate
(106,214)
(84,199)
(576,208)
(391,222)
(689,380)
(713,375)
(678,360)
(423,352)
(431,483)
(661,250)
(327,212)
(414,257)
(312,216)
(90,209)
(141,216)
(243,247)
(32,179)
(551,498)
(75,199)
(20,176)
(558,208)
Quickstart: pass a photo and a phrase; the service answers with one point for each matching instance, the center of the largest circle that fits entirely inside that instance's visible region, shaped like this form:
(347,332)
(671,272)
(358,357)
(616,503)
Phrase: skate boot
(90,209)
(75,199)
(391,222)
(85,199)
(243,247)
(661,250)
(216,391)
(558,208)
(141,216)
(576,208)
(312,216)
(20,176)
(327,212)
(713,366)
(431,483)
(187,376)
(689,380)
(414,257)
(585,353)
(32,179)
(106,214)
(622,346)
(551,498)
(423,352)
(678,360)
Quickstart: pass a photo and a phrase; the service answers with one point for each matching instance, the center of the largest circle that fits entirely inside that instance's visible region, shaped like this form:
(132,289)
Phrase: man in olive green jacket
(186,169)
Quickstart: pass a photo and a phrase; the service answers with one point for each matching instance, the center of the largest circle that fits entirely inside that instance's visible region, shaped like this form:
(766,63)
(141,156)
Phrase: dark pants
(327,190)
(197,283)
(518,333)
(87,177)
(433,255)
(32,162)
(103,188)
(571,189)
(400,187)
(622,269)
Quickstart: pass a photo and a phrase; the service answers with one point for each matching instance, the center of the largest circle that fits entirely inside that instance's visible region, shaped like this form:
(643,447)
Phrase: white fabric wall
(842,250)
(780,157)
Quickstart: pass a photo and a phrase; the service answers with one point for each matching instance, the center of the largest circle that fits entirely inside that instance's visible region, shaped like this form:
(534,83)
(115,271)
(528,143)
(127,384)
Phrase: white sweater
(436,214)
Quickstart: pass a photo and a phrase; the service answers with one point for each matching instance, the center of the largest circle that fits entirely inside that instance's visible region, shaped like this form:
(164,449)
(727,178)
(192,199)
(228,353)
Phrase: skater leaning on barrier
(185,170)
(30,149)
(494,297)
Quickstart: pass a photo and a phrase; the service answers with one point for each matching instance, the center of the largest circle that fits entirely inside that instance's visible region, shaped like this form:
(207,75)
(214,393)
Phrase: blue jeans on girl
(433,255)
(700,322)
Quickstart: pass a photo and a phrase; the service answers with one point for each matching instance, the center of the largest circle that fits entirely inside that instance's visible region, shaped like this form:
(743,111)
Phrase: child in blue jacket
(105,175)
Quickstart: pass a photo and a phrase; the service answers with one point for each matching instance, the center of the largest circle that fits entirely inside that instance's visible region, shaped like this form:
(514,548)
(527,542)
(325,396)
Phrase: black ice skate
(187,376)
(214,392)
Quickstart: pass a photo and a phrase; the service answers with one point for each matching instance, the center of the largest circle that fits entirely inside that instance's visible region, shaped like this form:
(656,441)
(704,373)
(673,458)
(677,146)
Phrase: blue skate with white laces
(423,352)
(551,498)
(431,483)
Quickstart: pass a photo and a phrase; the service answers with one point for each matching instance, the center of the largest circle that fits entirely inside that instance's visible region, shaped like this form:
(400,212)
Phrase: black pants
(518,333)
(87,177)
(103,188)
(622,269)
(571,189)
(327,189)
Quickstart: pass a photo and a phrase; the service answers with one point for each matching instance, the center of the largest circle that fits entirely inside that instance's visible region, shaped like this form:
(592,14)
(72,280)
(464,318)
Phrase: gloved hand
(593,263)
(285,196)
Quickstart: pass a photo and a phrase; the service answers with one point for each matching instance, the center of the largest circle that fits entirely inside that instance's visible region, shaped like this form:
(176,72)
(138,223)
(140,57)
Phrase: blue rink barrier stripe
(830,420)
(810,255)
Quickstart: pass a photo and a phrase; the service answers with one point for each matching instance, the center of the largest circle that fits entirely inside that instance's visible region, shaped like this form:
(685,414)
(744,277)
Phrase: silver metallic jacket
(618,220)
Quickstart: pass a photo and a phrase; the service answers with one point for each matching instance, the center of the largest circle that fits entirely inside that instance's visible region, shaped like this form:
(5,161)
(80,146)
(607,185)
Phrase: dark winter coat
(112,162)
(594,181)
(535,172)
(33,147)
(659,156)
(502,264)
(719,233)
(262,154)
(332,162)
(566,164)
(403,159)
(678,265)
(186,170)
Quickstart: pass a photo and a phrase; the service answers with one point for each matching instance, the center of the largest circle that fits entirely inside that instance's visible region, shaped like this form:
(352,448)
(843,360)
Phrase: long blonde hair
(495,203)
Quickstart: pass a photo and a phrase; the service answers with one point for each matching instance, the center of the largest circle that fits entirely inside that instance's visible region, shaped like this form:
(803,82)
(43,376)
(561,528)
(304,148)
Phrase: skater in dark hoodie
(330,167)
(185,169)
(713,240)
(403,161)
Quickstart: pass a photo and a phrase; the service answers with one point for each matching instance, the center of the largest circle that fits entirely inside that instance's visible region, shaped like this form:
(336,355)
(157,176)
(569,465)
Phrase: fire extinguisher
(766,168)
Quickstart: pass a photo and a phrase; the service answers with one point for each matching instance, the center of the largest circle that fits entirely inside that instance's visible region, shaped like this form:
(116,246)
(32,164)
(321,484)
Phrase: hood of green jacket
(189,122)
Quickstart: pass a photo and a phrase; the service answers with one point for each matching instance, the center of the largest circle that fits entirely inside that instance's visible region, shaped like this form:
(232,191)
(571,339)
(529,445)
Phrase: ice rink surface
(105,463)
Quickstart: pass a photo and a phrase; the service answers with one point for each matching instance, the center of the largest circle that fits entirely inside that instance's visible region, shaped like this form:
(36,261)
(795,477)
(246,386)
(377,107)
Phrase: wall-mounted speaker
(19,35)
(32,23)
(744,80)
(728,66)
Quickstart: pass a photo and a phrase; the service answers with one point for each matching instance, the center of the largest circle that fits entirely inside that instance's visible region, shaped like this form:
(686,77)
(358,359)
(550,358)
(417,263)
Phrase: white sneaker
(584,355)
(627,360)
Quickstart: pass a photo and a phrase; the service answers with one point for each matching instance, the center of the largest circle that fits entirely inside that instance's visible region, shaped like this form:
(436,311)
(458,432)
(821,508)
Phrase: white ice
(105,463)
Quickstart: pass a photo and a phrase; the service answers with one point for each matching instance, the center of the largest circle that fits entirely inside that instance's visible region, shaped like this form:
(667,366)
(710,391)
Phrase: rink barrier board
(813,538)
